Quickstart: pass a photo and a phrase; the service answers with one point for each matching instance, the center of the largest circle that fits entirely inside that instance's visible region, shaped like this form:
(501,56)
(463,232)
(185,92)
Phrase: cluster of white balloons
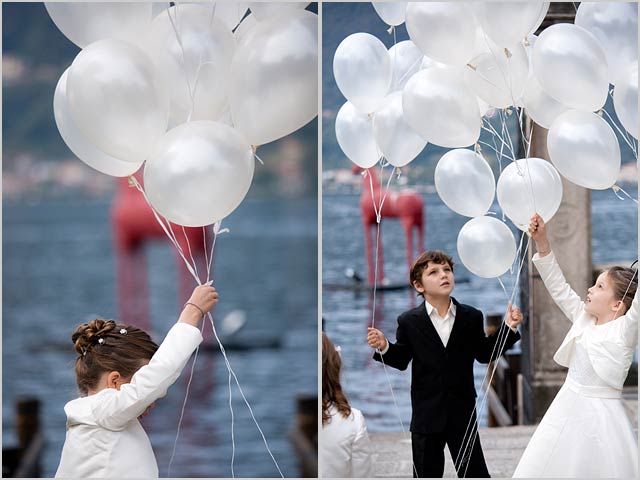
(176,89)
(463,61)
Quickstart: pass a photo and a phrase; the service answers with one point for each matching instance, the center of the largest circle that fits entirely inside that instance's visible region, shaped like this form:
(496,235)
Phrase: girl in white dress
(120,372)
(344,444)
(586,433)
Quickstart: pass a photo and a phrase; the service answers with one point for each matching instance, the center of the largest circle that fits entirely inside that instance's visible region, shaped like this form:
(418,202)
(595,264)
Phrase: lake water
(59,270)
(348,313)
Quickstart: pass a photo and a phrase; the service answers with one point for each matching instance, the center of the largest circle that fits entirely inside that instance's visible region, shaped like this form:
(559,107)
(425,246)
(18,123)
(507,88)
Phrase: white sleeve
(361,465)
(630,323)
(569,301)
(151,381)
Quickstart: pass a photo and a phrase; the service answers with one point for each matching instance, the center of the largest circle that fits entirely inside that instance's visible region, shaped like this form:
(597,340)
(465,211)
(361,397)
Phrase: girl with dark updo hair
(120,373)
(585,432)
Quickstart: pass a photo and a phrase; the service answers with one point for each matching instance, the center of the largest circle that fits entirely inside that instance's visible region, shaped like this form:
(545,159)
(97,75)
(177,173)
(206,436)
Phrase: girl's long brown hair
(332,393)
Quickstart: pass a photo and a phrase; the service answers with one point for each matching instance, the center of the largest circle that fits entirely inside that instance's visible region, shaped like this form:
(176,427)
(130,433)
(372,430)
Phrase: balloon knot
(472,67)
(398,172)
(507,53)
(615,188)
(600,112)
(132,182)
(390,29)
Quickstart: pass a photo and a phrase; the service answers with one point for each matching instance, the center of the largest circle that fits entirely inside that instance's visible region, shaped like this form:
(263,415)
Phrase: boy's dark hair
(423,260)
(103,346)
(625,283)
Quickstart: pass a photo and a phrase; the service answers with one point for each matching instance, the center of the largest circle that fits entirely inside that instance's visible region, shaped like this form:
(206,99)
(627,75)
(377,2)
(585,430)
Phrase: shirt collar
(452,309)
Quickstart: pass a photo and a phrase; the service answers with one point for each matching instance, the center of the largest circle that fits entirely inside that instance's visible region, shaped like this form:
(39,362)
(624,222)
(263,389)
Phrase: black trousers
(428,453)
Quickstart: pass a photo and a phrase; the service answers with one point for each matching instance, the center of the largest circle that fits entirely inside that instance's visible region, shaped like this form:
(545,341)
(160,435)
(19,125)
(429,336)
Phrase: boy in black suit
(443,338)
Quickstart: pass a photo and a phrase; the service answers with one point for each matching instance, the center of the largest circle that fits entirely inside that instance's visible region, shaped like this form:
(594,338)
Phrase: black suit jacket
(442,388)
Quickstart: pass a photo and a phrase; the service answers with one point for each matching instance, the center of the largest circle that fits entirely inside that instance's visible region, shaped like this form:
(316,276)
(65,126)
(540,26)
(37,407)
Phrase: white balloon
(507,23)
(274,77)
(199,173)
(615,25)
(444,31)
(430,63)
(584,149)
(397,141)
(354,131)
(229,13)
(465,183)
(486,247)
(499,77)
(392,13)
(264,10)
(362,69)
(625,99)
(117,99)
(198,64)
(441,108)
(406,59)
(77,142)
(571,66)
(85,22)
(541,106)
(529,186)
(245,26)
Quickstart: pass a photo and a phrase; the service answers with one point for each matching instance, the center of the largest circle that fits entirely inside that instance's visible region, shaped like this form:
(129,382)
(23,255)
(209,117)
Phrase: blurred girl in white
(344,449)
(586,433)
(120,372)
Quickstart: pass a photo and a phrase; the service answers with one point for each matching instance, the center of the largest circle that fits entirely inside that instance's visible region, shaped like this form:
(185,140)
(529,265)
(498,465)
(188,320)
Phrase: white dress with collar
(585,433)
(104,437)
(344,448)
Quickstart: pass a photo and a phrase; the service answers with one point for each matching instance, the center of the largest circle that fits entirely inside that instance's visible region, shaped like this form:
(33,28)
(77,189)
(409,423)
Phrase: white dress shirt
(104,437)
(443,325)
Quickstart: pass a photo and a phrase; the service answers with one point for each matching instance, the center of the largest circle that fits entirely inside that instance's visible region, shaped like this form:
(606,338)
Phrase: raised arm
(545,261)
(116,408)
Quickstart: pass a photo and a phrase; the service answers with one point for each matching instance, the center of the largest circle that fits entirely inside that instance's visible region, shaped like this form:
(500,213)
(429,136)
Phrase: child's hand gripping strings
(538,231)
(203,298)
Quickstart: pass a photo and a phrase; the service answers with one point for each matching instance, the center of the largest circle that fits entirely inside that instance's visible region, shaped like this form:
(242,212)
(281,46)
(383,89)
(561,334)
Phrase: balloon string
(230,370)
(616,188)
(184,404)
(227,363)
(501,342)
(629,142)
(409,70)
(373,310)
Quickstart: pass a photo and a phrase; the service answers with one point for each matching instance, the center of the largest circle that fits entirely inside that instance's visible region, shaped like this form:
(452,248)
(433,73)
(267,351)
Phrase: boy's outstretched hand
(514,316)
(376,338)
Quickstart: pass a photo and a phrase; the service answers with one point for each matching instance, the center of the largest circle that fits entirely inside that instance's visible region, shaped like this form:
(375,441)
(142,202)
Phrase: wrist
(191,314)
(543,248)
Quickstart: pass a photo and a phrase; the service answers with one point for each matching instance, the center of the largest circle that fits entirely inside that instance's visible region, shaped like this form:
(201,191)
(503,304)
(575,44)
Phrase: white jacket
(344,449)
(610,346)
(104,437)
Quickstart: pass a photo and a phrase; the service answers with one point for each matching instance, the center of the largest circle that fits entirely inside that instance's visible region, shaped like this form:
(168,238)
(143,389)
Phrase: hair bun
(86,335)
